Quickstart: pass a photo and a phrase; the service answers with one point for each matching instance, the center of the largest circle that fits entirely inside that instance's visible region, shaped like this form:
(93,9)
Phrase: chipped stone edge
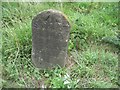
(56,11)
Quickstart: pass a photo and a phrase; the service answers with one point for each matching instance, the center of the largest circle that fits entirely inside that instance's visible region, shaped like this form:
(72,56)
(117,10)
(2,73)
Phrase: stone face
(50,34)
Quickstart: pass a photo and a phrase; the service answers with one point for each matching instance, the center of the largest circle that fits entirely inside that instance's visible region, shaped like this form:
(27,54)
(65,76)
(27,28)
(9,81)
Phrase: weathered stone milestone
(50,34)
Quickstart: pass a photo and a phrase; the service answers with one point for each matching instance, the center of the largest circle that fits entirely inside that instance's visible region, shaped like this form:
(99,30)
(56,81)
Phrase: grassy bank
(92,50)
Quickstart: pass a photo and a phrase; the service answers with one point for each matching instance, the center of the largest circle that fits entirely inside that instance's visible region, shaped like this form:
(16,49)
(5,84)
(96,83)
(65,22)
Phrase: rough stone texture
(50,34)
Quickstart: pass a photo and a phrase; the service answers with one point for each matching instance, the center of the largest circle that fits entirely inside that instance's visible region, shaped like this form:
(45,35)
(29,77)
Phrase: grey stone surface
(50,34)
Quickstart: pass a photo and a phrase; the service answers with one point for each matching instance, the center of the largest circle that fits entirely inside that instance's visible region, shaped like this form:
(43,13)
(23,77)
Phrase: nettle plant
(88,28)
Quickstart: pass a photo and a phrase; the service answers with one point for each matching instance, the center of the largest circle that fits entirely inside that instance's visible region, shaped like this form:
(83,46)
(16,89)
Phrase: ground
(92,51)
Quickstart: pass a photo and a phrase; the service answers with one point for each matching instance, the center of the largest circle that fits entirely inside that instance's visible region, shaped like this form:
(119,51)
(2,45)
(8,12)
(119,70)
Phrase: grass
(92,60)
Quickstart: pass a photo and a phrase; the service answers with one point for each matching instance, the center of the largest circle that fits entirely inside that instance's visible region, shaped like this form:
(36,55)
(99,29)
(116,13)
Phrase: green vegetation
(92,51)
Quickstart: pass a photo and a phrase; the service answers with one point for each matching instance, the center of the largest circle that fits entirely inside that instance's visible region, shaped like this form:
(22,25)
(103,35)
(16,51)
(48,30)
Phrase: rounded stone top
(54,14)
